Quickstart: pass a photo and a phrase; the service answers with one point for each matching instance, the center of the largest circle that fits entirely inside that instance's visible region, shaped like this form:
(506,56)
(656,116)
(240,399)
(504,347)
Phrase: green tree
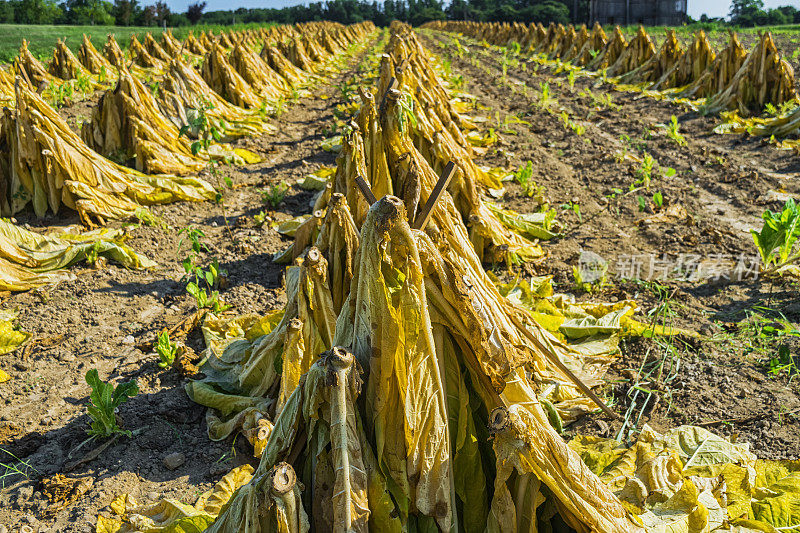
(746,12)
(162,12)
(776,17)
(195,11)
(125,12)
(35,11)
(88,12)
(549,11)
(6,12)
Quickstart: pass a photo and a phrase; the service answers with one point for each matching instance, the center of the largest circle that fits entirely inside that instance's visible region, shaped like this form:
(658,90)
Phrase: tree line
(134,13)
(752,13)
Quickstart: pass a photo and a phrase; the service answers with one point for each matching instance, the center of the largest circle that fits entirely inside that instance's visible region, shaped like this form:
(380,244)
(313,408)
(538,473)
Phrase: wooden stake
(365,190)
(444,180)
(552,356)
(392,85)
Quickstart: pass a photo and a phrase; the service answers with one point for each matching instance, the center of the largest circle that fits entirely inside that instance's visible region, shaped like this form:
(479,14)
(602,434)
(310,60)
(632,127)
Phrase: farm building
(647,12)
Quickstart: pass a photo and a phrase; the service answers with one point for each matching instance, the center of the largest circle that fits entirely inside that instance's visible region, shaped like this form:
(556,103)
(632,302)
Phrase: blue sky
(713,8)
(216,5)
(719,8)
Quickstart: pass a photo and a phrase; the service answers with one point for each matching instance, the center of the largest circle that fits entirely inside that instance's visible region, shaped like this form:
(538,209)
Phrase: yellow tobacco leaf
(122,503)
(264,325)
(211,502)
(107,525)
(10,338)
(247,156)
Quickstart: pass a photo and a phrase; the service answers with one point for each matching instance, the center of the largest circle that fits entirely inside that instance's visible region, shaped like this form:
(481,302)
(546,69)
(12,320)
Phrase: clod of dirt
(174,460)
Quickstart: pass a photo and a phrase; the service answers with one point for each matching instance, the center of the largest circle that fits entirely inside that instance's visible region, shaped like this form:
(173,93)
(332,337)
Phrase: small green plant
(93,254)
(575,208)
(206,299)
(771,110)
(614,193)
(61,94)
(778,236)
(768,335)
(19,467)
(166,350)
(673,132)
(346,88)
(524,176)
(571,79)
(274,194)
(195,236)
(603,101)
(781,362)
(206,130)
(104,401)
(192,269)
(642,202)
(508,59)
(776,111)
(565,119)
(203,128)
(279,107)
(645,171)
(658,199)
(577,129)
(545,97)
(84,84)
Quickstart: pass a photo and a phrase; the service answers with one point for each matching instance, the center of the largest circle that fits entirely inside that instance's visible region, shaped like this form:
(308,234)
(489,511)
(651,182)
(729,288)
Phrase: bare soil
(723,183)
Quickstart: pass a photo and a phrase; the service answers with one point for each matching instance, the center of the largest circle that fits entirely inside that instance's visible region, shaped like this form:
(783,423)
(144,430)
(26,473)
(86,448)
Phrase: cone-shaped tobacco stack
(669,55)
(638,51)
(223,78)
(126,124)
(93,61)
(113,52)
(66,66)
(32,71)
(155,49)
(141,56)
(263,80)
(49,165)
(183,92)
(690,67)
(611,52)
(764,77)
